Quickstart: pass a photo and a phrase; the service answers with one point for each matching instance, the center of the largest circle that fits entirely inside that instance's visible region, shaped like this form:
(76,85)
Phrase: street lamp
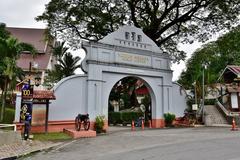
(37,78)
(37,81)
(195,91)
(204,65)
(30,70)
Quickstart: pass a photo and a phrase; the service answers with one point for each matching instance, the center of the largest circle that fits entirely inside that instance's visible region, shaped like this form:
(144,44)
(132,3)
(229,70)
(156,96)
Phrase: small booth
(230,79)
(39,109)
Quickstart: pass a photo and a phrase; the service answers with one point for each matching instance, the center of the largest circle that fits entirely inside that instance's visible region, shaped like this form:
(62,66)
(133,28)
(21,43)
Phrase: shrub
(123,117)
(209,101)
(169,117)
(99,123)
(126,117)
(114,118)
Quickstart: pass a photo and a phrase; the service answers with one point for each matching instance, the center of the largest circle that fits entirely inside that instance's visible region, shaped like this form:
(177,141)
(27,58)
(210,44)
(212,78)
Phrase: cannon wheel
(86,125)
(77,124)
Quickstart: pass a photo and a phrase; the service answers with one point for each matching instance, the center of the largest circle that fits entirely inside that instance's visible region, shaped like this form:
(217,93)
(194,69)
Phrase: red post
(150,123)
(133,126)
(142,124)
(234,125)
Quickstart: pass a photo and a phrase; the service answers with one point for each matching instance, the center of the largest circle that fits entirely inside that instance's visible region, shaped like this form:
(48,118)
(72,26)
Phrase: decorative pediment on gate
(127,46)
(131,37)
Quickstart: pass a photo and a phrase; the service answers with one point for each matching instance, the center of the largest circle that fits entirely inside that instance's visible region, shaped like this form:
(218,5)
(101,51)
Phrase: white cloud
(21,13)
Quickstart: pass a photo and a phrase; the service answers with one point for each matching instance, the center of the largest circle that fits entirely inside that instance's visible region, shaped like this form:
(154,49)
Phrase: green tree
(66,65)
(166,22)
(217,55)
(125,90)
(59,50)
(4,34)
(10,49)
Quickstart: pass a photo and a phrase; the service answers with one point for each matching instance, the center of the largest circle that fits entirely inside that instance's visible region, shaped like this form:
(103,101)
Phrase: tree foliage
(125,90)
(10,49)
(4,34)
(166,22)
(66,65)
(217,55)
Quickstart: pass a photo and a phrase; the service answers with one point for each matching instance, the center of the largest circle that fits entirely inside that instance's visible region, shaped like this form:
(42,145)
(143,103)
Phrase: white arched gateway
(126,52)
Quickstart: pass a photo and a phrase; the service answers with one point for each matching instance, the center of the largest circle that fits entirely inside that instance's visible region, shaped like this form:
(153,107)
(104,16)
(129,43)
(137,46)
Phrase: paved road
(163,144)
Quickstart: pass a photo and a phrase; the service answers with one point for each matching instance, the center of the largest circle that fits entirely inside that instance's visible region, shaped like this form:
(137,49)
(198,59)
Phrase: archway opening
(129,99)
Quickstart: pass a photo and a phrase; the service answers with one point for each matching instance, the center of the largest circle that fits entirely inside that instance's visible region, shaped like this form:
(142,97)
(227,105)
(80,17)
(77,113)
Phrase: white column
(18,107)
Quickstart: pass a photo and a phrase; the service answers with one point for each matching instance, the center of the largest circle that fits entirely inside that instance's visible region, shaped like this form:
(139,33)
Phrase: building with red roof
(43,60)
(231,82)
(230,73)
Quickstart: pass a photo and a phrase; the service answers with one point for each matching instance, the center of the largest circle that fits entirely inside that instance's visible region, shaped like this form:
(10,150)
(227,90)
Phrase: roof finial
(130,23)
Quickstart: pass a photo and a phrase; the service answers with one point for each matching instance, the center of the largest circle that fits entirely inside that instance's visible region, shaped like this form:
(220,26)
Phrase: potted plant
(169,118)
(99,124)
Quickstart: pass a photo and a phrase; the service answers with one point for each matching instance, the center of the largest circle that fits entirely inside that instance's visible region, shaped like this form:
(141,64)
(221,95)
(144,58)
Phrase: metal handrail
(8,125)
(200,109)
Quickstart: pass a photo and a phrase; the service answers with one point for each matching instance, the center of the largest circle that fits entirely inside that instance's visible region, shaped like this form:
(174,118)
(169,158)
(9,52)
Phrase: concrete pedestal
(80,134)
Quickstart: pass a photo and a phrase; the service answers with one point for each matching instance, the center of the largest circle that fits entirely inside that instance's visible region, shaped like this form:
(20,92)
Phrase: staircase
(212,116)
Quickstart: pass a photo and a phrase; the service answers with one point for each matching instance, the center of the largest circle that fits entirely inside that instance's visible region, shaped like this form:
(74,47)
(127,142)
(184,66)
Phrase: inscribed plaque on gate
(133,59)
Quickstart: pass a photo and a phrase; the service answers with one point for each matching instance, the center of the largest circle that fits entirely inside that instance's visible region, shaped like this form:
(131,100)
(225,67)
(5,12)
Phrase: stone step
(213,116)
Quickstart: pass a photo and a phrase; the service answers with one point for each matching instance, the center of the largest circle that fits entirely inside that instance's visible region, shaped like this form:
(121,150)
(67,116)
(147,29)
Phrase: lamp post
(203,90)
(195,91)
(30,68)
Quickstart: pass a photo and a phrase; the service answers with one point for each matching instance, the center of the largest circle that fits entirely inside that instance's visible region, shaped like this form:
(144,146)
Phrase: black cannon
(82,119)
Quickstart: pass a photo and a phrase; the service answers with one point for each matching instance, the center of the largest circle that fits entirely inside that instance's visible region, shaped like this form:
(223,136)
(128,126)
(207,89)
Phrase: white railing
(8,125)
(223,108)
(228,113)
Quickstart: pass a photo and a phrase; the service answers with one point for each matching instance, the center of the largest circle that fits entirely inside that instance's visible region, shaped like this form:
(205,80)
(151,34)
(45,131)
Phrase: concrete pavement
(211,143)
(15,150)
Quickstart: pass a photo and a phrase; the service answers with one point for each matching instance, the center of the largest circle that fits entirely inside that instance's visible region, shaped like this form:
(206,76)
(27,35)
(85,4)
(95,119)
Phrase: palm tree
(68,64)
(10,50)
(59,50)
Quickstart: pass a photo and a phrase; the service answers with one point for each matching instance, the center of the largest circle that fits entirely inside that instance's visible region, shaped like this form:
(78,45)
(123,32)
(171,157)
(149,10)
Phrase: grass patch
(9,116)
(60,136)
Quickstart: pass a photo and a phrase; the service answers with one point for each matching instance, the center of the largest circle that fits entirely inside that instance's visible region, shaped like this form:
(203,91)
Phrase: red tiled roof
(43,94)
(41,59)
(228,70)
(233,89)
(142,90)
(30,35)
(234,69)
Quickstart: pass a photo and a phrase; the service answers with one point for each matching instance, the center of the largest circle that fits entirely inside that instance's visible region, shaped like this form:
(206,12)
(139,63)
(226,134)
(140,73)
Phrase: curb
(29,152)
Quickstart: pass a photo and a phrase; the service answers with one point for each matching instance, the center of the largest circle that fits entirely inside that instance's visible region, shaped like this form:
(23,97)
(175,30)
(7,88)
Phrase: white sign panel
(194,107)
(133,59)
(234,100)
